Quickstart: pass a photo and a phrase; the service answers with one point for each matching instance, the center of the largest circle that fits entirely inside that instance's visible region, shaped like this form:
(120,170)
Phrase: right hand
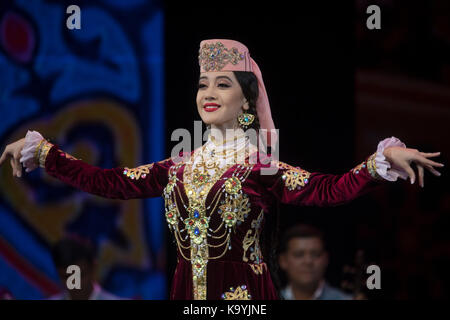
(13,151)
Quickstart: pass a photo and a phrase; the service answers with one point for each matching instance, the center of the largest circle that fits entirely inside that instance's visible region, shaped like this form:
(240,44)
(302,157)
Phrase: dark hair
(249,86)
(301,231)
(71,250)
(269,239)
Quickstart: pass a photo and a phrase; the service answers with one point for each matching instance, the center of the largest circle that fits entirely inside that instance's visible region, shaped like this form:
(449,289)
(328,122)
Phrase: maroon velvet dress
(218,231)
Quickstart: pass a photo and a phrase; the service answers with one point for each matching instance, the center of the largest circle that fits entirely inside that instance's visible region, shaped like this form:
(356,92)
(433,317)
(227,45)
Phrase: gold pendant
(200,179)
(232,185)
(197,223)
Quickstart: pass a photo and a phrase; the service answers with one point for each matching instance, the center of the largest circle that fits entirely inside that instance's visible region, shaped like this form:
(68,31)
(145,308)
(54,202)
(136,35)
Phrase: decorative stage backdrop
(98,93)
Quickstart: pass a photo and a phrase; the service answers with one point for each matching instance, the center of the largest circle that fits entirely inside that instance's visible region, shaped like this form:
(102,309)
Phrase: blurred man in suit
(304,260)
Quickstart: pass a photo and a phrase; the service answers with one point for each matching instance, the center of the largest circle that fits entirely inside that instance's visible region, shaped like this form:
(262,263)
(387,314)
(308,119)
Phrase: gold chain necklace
(197,222)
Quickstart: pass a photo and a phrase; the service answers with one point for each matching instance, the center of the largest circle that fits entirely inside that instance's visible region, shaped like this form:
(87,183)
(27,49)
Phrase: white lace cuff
(383,166)
(28,160)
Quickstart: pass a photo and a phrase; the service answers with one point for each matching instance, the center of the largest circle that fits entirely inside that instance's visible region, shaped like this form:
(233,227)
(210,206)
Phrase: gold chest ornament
(229,201)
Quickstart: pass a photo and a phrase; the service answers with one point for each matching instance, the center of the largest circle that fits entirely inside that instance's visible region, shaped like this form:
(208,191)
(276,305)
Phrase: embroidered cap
(223,55)
(231,55)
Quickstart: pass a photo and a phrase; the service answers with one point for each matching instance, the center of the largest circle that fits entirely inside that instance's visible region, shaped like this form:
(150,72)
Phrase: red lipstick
(211,107)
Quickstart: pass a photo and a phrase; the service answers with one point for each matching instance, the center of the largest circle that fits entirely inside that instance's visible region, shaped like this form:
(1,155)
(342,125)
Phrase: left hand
(401,158)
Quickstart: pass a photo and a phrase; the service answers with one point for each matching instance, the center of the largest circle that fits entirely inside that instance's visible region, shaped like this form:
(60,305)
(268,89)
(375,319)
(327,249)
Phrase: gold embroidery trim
(372,167)
(199,256)
(42,151)
(253,238)
(141,171)
(68,156)
(240,293)
(138,172)
(37,150)
(258,268)
(235,210)
(294,177)
(359,167)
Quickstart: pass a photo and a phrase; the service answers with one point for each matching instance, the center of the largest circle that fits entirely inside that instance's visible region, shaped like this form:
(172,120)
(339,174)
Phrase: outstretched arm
(294,185)
(117,183)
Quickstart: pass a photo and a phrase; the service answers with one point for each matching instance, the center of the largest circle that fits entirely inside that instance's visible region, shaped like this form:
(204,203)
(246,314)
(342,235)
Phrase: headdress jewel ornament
(231,55)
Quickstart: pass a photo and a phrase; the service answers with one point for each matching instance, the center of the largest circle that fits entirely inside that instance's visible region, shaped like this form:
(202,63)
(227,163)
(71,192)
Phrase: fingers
(410,171)
(3,157)
(18,167)
(14,160)
(17,162)
(13,166)
(433,171)
(421,179)
(433,163)
(421,156)
(421,160)
(432,154)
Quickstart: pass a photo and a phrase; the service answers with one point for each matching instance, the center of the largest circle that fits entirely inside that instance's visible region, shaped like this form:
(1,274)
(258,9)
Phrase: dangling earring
(245,120)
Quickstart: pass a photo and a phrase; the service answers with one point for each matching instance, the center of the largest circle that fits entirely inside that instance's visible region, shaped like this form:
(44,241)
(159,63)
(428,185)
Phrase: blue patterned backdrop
(98,93)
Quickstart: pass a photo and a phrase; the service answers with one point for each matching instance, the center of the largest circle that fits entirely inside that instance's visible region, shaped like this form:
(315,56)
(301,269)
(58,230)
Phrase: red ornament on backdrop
(17,37)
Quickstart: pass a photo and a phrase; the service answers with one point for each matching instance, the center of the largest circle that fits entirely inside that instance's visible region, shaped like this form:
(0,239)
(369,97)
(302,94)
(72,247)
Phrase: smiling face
(220,99)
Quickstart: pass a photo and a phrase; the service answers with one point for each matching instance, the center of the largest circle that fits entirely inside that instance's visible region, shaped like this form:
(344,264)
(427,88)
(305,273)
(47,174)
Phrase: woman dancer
(218,197)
